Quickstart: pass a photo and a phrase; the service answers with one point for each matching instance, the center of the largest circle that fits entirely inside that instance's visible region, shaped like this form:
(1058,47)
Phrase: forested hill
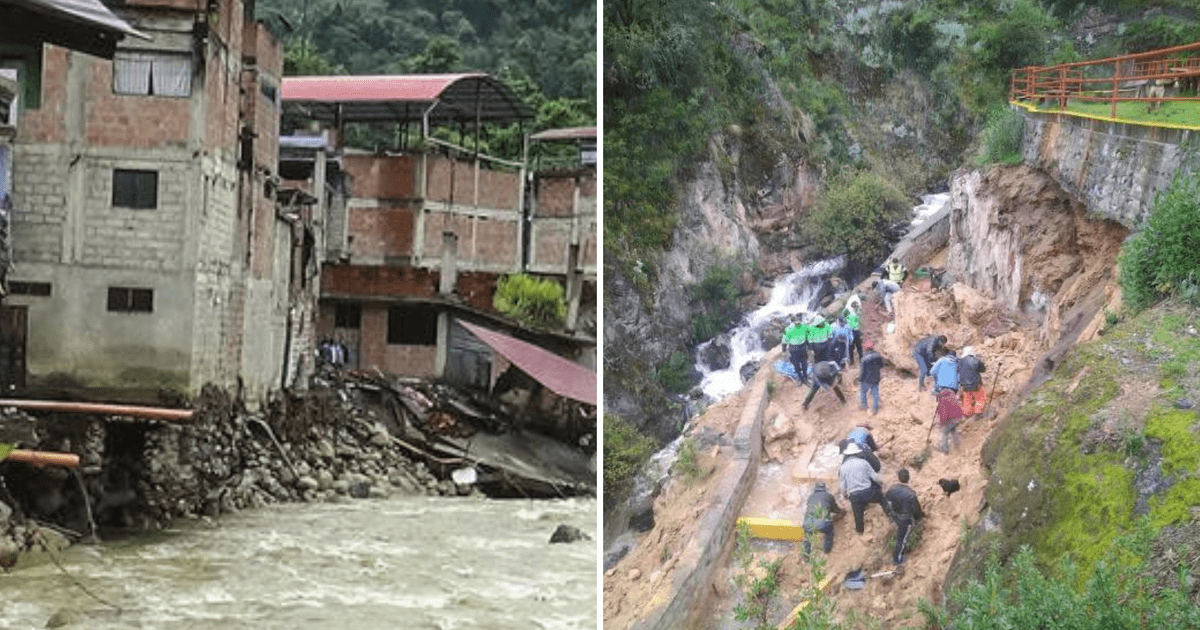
(545,50)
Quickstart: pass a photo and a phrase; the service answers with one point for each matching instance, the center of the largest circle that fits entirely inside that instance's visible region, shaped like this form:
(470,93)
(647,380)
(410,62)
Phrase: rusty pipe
(156,413)
(44,458)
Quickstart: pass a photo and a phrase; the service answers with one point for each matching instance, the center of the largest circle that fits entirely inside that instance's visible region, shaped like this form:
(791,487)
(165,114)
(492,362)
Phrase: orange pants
(973,402)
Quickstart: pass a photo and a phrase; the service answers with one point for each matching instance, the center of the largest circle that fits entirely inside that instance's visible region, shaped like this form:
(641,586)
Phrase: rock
(360,490)
(9,553)
(642,521)
(716,354)
(748,370)
(1184,403)
(325,449)
(635,575)
(568,534)
(341,486)
(62,617)
(324,479)
(613,557)
(308,483)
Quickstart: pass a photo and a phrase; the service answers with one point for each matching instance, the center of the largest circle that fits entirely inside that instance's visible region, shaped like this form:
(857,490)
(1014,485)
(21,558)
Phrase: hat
(852,448)
(969,351)
(868,345)
(819,487)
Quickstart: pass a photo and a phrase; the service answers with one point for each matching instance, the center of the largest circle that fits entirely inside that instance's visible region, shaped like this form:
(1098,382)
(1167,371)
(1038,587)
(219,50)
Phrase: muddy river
(413,562)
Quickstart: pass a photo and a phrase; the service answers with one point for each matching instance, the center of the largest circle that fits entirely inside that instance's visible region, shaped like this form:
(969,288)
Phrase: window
(414,325)
(40,289)
(128,300)
(152,73)
(347,316)
(135,189)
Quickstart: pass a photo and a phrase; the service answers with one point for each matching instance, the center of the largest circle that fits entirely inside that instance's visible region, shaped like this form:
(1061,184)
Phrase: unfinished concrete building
(418,236)
(150,253)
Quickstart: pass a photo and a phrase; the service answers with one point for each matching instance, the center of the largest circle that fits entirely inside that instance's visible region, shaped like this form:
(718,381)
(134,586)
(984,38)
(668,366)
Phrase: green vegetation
(1118,595)
(1002,137)
(856,215)
(1185,114)
(1162,258)
(625,451)
(687,464)
(762,589)
(675,374)
(714,302)
(532,300)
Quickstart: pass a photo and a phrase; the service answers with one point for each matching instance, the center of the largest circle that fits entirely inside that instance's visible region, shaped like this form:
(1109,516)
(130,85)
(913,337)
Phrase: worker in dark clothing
(795,341)
(818,517)
(905,510)
(860,483)
(924,353)
(826,375)
(974,399)
(868,377)
(842,341)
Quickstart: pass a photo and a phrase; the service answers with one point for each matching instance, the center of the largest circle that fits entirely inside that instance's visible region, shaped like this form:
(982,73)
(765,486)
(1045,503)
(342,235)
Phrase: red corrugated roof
(563,377)
(395,87)
(460,98)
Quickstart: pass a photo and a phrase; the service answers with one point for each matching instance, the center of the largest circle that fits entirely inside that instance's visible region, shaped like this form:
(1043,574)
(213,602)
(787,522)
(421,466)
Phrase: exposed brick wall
(47,123)
(418,361)
(373,340)
(341,281)
(484,243)
(497,189)
(381,177)
(555,197)
(496,242)
(381,233)
(134,121)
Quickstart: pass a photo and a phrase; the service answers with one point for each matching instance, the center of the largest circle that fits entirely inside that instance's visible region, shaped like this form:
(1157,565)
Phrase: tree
(856,215)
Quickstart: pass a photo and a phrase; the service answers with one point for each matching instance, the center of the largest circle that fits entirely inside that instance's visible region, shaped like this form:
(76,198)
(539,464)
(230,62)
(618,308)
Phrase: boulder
(717,354)
(568,534)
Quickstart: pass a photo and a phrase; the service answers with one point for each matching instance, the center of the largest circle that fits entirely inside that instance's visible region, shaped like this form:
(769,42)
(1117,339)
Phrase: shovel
(856,579)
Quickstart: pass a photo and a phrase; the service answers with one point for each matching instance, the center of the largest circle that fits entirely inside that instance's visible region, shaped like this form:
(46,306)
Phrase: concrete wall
(1116,169)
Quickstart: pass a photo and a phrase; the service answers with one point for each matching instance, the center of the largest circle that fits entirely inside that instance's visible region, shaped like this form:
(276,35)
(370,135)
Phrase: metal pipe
(156,413)
(44,458)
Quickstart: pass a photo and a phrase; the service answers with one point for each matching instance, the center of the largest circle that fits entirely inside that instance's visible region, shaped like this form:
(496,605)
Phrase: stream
(410,562)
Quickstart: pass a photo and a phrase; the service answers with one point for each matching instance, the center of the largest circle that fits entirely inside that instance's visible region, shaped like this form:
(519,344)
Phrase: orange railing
(1154,77)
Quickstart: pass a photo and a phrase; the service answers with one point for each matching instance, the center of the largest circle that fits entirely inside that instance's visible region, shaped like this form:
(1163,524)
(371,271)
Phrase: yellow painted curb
(775,529)
(804,604)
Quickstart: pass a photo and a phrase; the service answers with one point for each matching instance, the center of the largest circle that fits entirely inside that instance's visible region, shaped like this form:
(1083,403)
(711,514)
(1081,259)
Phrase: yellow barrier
(775,529)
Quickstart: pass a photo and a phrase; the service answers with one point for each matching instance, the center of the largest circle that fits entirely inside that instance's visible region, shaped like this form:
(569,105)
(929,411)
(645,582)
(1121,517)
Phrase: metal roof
(85,25)
(566,133)
(404,98)
(561,376)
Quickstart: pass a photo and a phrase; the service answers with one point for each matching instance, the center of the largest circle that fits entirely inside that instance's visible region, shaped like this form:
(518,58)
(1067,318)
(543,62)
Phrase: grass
(1185,114)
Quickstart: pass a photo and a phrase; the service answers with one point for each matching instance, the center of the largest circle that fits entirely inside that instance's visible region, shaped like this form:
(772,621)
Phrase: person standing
(923,353)
(896,271)
(868,377)
(795,340)
(842,340)
(945,373)
(818,517)
(905,510)
(818,339)
(826,375)
(851,314)
(860,483)
(949,414)
(974,399)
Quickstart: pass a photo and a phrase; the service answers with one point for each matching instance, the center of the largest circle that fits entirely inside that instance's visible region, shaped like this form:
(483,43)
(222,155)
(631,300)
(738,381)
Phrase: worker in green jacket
(818,339)
(795,341)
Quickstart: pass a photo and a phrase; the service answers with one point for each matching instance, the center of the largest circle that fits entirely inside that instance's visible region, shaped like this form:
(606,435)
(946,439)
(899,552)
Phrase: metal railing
(1153,77)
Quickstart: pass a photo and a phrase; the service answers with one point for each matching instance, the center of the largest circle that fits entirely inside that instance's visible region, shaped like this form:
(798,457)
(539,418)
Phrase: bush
(531,300)
(714,302)
(1159,260)
(856,216)
(675,375)
(1002,138)
(625,451)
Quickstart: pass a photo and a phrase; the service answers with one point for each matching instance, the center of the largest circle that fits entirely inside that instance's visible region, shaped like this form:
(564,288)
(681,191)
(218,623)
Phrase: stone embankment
(319,445)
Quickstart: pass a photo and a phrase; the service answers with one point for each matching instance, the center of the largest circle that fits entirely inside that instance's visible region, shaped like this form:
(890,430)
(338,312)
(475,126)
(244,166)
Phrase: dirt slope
(1009,346)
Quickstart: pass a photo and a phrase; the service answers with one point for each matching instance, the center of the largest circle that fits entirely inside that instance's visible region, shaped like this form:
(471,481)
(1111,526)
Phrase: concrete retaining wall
(1116,169)
(694,572)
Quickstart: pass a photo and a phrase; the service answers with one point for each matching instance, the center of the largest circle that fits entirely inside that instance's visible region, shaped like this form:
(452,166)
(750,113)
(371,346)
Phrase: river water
(413,562)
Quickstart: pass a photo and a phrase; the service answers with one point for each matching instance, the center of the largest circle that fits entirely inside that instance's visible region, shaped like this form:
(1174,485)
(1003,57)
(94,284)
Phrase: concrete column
(322,209)
(449,263)
(422,176)
(443,344)
(79,68)
(574,286)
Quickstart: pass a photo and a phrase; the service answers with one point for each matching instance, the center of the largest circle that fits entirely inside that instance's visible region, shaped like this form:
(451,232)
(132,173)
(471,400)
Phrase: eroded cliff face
(1016,236)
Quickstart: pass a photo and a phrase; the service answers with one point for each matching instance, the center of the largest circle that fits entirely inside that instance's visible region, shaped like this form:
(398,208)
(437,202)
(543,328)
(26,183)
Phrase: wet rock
(308,483)
(568,534)
(10,552)
(613,557)
(62,618)
(748,370)
(642,520)
(324,479)
(717,353)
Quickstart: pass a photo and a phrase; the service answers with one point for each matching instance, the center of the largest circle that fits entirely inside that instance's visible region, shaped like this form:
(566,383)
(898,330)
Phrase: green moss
(1095,505)
(1180,447)
(1175,507)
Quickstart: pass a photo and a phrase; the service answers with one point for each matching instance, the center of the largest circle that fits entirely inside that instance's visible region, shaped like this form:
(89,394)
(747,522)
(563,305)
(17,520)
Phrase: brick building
(150,252)
(417,237)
